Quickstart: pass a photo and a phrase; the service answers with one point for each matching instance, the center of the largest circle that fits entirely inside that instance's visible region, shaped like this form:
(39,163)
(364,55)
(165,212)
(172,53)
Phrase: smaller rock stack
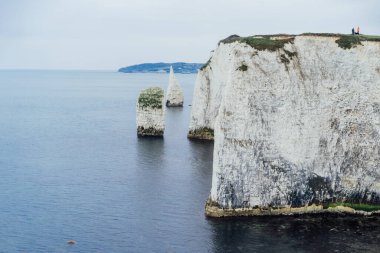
(174,97)
(150,112)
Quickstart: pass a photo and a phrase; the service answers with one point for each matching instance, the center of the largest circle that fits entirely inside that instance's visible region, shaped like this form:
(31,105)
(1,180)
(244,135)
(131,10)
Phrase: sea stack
(174,96)
(150,112)
(296,122)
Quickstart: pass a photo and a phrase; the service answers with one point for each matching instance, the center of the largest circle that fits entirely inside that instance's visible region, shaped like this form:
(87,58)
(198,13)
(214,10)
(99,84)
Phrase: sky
(109,34)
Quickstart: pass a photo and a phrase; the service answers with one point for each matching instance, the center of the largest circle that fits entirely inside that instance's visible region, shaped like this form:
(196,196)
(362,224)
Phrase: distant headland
(161,67)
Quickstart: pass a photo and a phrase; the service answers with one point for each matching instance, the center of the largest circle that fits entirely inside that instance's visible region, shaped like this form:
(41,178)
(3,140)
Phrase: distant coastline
(161,67)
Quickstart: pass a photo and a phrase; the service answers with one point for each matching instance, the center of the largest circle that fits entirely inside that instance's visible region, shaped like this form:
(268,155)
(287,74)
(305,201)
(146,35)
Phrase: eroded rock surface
(150,112)
(296,122)
(174,98)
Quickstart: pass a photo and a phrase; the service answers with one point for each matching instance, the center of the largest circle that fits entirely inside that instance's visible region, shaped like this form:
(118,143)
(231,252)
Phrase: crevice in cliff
(242,67)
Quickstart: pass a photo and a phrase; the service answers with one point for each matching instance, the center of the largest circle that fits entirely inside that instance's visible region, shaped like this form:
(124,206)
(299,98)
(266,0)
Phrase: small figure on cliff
(358,30)
(353,31)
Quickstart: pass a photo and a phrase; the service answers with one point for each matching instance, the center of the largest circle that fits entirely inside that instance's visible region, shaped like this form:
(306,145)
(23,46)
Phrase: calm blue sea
(72,168)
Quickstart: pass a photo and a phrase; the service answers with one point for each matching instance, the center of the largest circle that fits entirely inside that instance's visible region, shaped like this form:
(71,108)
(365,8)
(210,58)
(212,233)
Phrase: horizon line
(55,69)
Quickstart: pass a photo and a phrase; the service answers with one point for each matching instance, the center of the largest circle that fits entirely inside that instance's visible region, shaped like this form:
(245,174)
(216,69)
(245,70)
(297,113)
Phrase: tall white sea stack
(174,97)
(297,124)
(150,112)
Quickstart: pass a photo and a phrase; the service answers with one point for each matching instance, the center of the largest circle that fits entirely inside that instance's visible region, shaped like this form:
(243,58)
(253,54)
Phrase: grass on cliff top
(371,37)
(264,42)
(151,97)
(360,207)
(362,36)
(347,41)
(260,42)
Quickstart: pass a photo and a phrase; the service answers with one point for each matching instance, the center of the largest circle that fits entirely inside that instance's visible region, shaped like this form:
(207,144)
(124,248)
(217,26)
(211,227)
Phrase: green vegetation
(361,207)
(230,39)
(243,67)
(260,42)
(265,42)
(347,41)
(151,97)
(371,37)
(322,34)
(203,133)
(151,131)
(361,36)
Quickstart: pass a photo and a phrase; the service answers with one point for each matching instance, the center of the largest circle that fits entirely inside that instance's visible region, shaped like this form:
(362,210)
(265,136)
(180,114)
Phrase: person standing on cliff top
(358,30)
(353,31)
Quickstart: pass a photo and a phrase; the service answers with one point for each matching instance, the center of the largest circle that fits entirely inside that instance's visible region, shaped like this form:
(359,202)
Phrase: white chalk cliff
(296,123)
(210,83)
(150,112)
(174,97)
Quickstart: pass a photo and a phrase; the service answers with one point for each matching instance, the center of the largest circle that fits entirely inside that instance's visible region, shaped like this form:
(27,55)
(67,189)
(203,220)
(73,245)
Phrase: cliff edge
(296,122)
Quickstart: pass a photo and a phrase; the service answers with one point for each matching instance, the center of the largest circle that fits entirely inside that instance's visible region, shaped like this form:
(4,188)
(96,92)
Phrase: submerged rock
(174,98)
(296,122)
(150,115)
(71,242)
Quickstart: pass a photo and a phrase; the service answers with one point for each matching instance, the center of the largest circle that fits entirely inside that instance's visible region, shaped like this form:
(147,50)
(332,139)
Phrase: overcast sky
(108,34)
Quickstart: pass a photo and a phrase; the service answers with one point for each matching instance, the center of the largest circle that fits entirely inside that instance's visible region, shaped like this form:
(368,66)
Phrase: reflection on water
(150,152)
(296,234)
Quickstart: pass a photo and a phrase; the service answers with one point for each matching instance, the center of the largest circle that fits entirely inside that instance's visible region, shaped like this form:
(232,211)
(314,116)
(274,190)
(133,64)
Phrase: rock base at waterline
(150,112)
(201,134)
(213,210)
(141,131)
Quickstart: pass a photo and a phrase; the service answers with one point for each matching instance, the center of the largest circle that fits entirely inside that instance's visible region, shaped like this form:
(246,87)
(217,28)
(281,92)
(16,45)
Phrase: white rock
(174,96)
(150,112)
(292,127)
(210,83)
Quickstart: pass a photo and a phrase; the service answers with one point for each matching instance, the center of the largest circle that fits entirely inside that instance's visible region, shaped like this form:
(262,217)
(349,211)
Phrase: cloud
(107,34)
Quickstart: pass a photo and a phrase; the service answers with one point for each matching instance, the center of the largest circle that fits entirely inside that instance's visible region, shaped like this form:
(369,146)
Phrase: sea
(73,168)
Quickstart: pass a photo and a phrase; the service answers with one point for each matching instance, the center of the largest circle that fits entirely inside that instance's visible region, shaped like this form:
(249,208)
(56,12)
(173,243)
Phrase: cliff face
(210,83)
(297,122)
